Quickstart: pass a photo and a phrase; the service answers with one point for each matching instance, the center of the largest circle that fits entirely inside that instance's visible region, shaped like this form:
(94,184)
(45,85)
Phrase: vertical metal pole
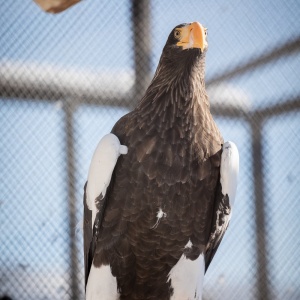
(263,290)
(69,107)
(140,16)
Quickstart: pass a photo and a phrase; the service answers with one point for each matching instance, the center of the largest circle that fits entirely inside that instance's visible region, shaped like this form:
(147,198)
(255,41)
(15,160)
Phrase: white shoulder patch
(187,278)
(101,168)
(229,170)
(101,284)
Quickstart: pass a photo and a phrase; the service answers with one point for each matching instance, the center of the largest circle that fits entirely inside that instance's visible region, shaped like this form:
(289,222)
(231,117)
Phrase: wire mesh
(66,79)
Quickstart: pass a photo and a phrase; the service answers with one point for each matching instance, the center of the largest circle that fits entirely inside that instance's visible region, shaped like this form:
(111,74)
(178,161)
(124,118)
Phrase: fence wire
(66,79)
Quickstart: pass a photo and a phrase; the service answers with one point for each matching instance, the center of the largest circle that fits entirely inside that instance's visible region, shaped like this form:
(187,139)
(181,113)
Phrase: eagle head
(181,66)
(188,36)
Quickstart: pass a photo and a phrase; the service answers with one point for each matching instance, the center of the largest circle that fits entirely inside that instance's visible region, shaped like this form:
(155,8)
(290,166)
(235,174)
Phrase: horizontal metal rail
(48,83)
(286,49)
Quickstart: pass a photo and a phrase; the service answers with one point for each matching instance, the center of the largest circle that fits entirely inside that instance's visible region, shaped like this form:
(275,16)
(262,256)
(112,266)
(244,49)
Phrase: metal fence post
(140,16)
(262,280)
(69,108)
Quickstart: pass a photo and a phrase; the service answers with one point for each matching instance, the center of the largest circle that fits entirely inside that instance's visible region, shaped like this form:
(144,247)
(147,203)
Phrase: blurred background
(65,80)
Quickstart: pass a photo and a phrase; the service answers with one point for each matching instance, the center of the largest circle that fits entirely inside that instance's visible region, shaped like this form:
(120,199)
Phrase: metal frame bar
(140,16)
(262,263)
(286,48)
(69,108)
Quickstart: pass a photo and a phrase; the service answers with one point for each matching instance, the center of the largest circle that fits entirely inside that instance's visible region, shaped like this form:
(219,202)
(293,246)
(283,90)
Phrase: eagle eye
(177,34)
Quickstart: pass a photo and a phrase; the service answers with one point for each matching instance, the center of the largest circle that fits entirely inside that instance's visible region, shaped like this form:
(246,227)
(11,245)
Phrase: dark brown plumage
(172,165)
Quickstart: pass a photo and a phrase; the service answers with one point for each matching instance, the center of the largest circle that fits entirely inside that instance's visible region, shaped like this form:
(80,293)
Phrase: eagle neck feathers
(176,98)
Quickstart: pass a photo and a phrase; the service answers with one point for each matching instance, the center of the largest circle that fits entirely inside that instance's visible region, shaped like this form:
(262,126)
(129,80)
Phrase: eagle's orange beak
(192,36)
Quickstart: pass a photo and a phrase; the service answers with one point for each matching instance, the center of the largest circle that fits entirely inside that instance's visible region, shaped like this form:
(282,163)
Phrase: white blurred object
(55,6)
(228,95)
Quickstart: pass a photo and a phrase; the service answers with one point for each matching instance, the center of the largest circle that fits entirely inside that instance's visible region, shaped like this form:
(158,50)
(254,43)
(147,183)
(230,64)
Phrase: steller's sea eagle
(161,186)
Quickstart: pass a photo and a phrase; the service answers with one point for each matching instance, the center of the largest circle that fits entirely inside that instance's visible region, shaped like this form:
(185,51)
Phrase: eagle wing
(224,201)
(101,168)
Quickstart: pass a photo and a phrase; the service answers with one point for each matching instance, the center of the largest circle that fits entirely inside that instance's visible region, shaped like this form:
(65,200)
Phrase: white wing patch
(101,285)
(187,278)
(229,170)
(101,168)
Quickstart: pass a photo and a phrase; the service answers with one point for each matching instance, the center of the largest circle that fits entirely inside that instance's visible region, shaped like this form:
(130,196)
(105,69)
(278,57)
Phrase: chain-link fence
(64,81)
